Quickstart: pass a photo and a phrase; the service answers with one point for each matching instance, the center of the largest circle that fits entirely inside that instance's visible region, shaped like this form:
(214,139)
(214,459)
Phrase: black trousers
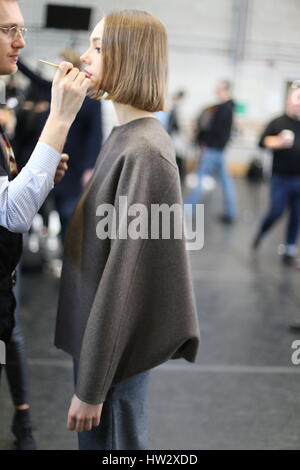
(7,319)
(16,361)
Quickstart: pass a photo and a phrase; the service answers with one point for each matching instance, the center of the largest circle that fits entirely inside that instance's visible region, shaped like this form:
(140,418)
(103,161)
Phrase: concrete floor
(244,391)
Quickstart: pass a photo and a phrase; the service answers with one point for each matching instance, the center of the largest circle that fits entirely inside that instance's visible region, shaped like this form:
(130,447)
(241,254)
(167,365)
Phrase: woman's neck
(126,113)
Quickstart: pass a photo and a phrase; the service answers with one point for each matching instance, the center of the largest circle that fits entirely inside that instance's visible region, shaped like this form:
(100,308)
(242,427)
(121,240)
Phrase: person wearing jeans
(213,163)
(285,193)
(282,136)
(213,134)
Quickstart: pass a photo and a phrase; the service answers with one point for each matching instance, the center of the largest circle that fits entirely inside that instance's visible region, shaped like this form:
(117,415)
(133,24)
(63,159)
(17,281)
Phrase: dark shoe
(289,260)
(22,430)
(226,219)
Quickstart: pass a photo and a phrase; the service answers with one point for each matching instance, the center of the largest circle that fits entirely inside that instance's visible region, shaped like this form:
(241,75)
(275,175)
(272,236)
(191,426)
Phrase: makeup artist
(21,195)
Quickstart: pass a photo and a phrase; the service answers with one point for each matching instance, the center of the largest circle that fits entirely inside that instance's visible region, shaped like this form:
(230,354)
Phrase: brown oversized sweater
(126,305)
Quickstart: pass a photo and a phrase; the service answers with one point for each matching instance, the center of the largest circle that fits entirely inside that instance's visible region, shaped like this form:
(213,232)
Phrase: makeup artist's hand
(69,89)
(82,416)
(62,168)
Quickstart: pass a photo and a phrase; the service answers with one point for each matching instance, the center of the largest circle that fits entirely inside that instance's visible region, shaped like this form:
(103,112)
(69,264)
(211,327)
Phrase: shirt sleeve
(271,129)
(21,198)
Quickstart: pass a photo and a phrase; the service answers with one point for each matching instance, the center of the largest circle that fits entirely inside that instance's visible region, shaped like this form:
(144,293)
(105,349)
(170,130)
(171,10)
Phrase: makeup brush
(49,63)
(88,74)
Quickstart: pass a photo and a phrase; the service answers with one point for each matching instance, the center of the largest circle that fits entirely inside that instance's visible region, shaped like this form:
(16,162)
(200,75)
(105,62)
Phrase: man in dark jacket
(214,138)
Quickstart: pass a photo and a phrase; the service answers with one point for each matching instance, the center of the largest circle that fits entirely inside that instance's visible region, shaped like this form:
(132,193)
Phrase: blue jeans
(213,162)
(124,417)
(285,194)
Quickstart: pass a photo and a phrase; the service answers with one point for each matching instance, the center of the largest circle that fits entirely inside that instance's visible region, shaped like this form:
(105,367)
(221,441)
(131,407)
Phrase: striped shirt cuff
(44,159)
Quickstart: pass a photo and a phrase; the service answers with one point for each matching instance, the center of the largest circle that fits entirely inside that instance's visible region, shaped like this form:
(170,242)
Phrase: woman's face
(92,58)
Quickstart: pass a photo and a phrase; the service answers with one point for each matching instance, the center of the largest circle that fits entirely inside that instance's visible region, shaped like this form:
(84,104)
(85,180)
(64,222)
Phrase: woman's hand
(62,168)
(82,416)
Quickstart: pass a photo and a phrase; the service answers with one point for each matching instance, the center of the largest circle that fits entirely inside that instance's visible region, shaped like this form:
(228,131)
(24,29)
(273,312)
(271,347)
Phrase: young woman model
(126,303)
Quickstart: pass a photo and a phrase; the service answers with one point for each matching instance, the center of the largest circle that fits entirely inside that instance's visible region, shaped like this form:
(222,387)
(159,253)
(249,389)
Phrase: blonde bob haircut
(135,60)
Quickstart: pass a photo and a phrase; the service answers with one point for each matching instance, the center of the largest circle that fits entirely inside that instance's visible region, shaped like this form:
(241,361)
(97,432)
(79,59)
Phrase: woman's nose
(84,58)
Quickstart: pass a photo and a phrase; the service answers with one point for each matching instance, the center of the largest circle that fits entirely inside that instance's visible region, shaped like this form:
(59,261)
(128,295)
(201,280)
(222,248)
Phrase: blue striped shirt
(21,198)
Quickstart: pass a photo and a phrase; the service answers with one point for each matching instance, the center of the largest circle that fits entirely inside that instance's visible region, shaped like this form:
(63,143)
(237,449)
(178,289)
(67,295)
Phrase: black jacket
(10,254)
(218,133)
(10,243)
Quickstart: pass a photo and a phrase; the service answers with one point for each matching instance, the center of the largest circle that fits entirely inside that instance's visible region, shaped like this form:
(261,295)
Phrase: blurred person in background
(282,138)
(83,144)
(31,117)
(213,137)
(7,120)
(11,88)
(174,129)
(22,194)
(13,91)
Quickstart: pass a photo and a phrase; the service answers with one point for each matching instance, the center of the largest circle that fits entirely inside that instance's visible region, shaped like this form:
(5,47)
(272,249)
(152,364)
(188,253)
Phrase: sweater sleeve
(144,311)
